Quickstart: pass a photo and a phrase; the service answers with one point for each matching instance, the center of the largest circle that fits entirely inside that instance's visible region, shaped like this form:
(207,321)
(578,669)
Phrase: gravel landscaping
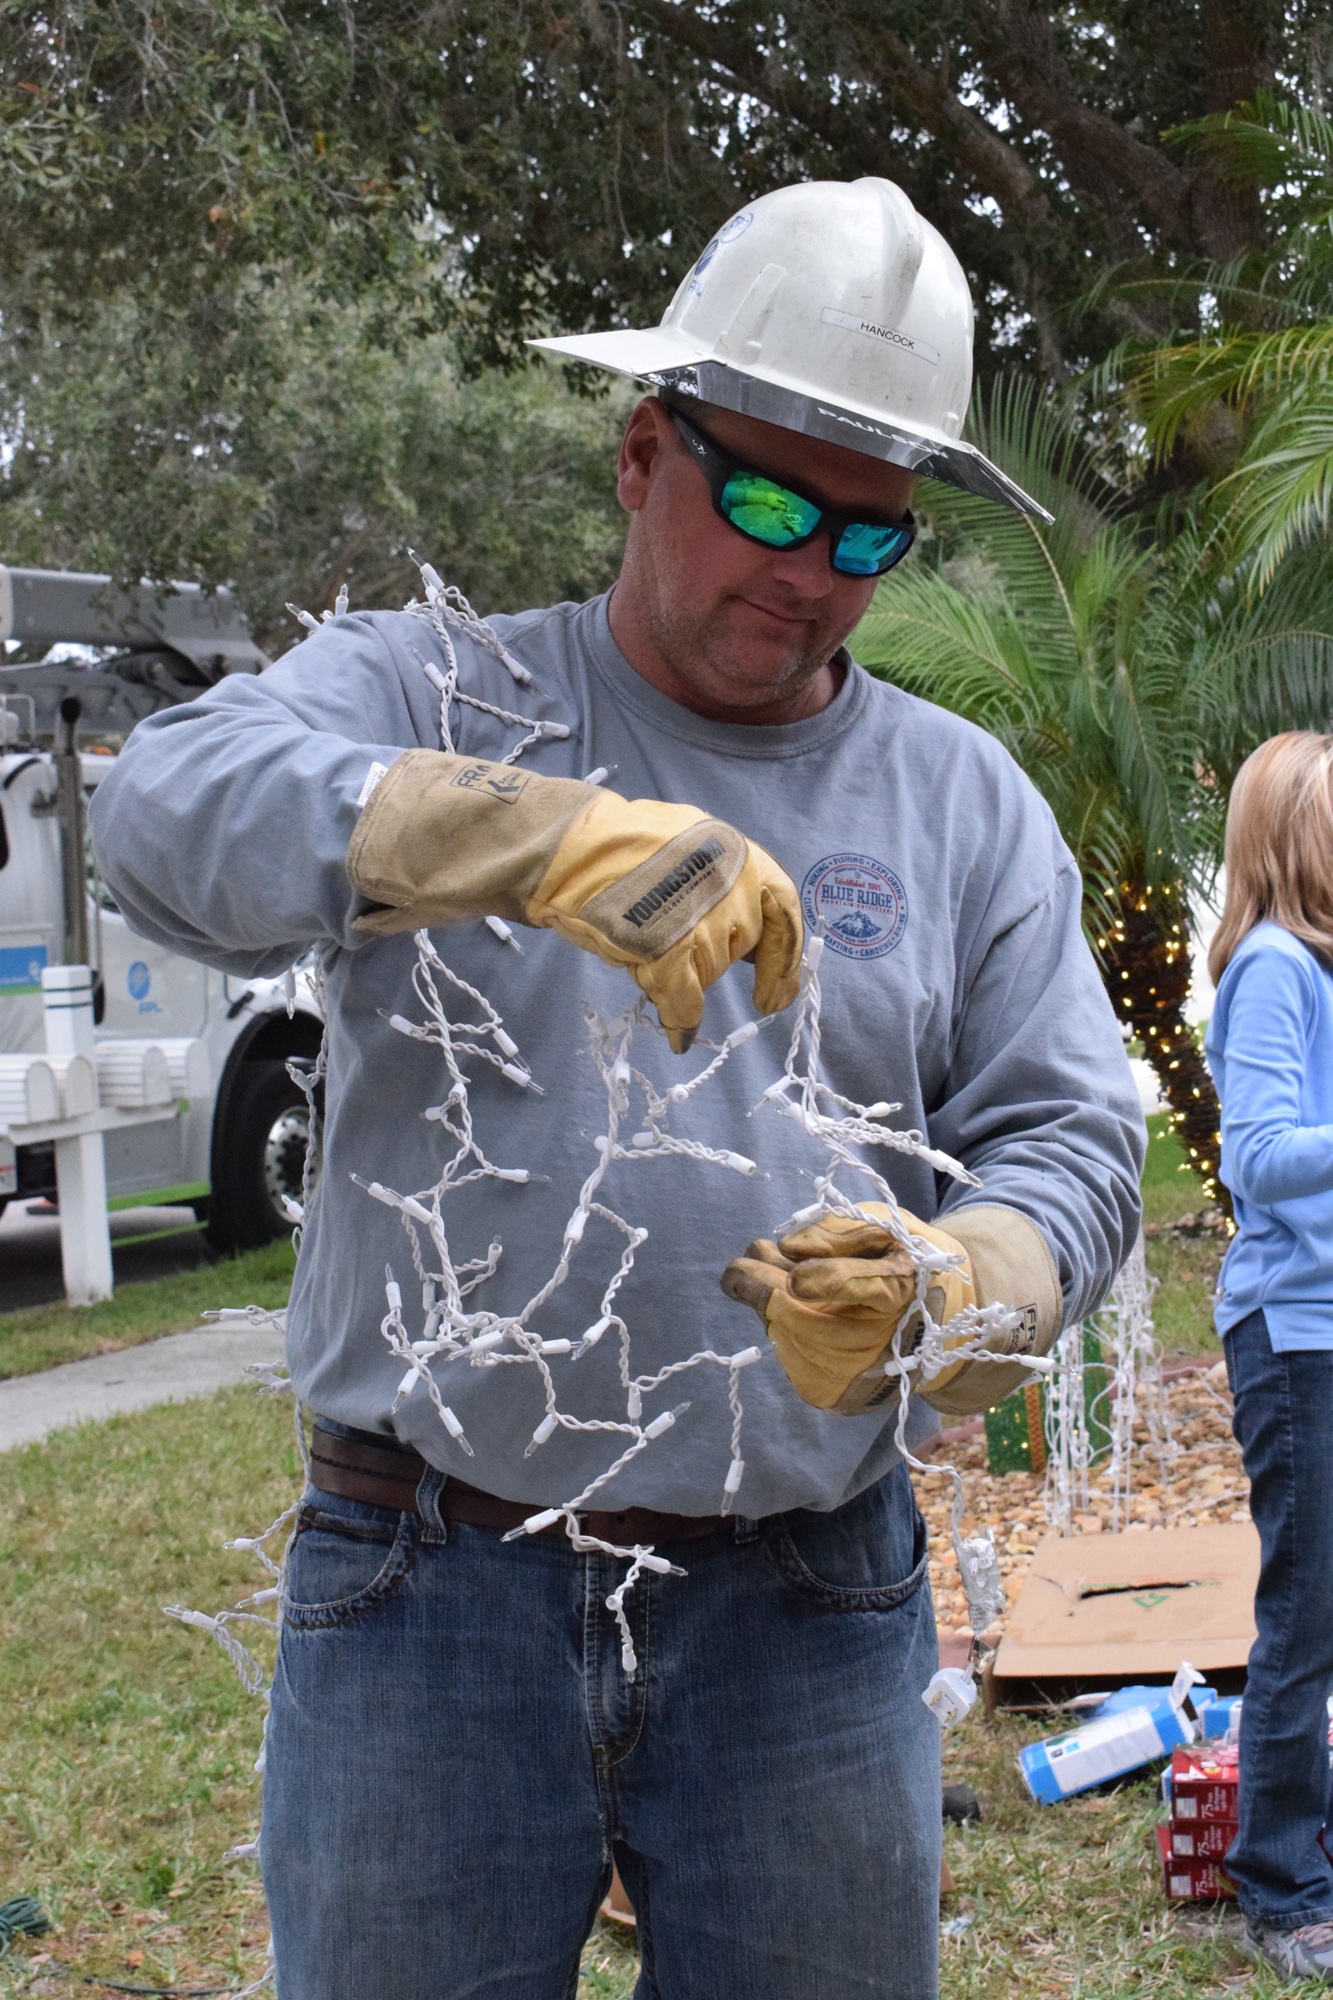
(1206,1483)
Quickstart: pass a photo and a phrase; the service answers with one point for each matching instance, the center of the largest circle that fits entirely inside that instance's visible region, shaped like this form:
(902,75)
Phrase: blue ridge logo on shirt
(856,904)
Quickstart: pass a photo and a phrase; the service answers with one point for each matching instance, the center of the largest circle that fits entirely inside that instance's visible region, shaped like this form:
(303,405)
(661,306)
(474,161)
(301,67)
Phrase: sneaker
(1306,1953)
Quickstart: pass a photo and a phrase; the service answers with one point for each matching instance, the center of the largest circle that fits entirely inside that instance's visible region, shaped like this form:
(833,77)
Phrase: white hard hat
(830,308)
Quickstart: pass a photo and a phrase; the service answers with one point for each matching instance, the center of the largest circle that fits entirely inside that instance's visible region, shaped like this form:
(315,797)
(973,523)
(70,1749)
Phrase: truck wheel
(259,1157)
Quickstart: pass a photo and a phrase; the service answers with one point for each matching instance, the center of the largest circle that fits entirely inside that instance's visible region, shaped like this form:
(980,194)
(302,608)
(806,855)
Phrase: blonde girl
(1270,1046)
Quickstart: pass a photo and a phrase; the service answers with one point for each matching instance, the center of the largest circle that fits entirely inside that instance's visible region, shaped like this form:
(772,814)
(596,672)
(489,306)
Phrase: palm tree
(1261,371)
(1126,680)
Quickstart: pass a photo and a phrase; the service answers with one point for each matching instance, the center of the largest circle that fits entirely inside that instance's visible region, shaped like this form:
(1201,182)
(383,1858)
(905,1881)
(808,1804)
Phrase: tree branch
(998,168)
(1098,154)
(737,59)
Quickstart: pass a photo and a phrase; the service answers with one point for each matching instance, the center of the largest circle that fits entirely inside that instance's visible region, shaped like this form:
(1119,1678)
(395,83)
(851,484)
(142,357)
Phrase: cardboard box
(1220,1714)
(1132,1727)
(1100,1610)
(1205,1784)
(1217,1716)
(1202,1840)
(1187,1881)
(1108,1748)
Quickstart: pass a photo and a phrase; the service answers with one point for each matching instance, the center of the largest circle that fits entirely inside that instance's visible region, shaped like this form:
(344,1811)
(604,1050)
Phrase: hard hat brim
(666,359)
(639,351)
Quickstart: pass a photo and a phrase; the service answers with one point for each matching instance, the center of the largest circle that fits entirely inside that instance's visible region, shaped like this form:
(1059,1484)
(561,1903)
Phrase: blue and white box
(1111,1745)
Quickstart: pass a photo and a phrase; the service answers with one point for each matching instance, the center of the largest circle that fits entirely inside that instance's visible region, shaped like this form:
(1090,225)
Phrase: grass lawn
(1185,1266)
(1067,1899)
(127,1764)
(126,1742)
(44,1336)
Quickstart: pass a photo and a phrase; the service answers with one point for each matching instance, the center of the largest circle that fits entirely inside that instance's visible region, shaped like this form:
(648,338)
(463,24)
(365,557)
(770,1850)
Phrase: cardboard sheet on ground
(1100,1610)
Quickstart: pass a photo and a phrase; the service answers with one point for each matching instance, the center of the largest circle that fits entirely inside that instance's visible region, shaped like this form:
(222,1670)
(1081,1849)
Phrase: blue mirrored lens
(767,512)
(866,550)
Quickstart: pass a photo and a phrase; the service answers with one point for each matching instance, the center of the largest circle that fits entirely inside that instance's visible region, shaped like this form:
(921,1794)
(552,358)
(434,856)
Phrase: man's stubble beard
(687,641)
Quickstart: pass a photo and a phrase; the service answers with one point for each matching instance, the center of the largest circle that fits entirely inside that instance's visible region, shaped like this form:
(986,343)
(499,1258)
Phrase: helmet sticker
(726,234)
(856,904)
(906,342)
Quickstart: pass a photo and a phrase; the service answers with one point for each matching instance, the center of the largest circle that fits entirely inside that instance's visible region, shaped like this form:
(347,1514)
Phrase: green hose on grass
(21,1916)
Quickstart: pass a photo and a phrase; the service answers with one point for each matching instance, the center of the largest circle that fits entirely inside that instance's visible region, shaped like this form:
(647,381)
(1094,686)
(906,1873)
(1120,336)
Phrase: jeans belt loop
(434,1527)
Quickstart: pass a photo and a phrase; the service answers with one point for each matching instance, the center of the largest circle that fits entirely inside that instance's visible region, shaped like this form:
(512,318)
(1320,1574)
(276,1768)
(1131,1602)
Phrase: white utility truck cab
(234,1149)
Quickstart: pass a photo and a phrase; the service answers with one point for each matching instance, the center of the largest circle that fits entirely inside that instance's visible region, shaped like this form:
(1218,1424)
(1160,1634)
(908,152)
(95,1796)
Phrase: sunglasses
(779,518)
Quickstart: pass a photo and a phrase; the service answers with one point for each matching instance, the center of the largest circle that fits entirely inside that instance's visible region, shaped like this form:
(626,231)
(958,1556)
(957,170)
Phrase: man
(456,1752)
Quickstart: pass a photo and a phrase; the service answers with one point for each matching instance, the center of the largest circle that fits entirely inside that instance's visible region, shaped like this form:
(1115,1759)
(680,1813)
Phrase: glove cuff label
(496,781)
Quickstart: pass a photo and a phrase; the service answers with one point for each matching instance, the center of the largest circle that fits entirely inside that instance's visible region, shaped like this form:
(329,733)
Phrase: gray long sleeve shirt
(955,977)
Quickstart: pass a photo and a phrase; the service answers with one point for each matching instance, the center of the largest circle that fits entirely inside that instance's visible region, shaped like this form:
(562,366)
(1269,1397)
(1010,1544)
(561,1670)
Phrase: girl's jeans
(455,1754)
(1283,1424)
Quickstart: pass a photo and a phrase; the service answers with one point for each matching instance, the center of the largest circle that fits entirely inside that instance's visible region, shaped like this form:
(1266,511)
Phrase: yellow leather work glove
(663,890)
(833,1294)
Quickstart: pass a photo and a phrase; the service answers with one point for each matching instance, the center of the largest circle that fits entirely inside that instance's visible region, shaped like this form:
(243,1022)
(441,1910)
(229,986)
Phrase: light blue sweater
(1270,1046)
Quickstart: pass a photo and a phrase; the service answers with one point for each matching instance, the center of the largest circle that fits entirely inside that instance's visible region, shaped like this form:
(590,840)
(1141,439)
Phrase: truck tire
(258,1157)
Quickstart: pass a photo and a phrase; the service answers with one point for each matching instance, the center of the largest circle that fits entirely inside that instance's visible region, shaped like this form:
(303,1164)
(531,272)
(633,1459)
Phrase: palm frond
(1258,664)
(1064,678)
(1172,386)
(1269,143)
(1281,493)
(1035,439)
(1261,685)
(965,653)
(1153,763)
(1284,150)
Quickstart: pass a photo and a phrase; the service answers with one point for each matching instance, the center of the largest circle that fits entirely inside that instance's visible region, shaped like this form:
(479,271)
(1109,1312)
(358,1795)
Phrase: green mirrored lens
(767,512)
(865,550)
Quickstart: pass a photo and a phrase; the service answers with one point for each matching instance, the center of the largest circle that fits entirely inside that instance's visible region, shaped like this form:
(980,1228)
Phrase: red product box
(1202,1839)
(1190,1880)
(1204,1783)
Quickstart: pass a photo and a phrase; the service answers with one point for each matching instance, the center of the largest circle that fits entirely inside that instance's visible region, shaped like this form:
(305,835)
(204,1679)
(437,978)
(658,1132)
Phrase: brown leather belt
(385,1473)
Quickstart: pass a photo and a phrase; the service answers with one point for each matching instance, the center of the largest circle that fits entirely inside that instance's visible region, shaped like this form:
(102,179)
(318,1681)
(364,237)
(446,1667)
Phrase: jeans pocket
(868,1555)
(347,1559)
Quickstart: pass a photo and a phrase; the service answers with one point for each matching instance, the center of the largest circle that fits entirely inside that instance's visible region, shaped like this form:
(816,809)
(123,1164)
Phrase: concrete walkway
(170,1370)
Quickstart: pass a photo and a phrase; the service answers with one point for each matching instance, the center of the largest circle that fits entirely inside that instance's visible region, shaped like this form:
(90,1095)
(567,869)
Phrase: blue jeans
(455,1756)
(1283,1424)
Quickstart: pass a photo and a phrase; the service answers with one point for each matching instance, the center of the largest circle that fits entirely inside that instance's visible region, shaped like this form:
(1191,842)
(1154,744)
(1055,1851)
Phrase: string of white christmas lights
(453,1332)
(1138,1382)
(1068,1435)
(1132,1391)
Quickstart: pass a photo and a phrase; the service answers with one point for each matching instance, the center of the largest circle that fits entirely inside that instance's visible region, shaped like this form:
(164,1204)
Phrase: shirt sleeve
(1040,1102)
(222,828)
(1268,1155)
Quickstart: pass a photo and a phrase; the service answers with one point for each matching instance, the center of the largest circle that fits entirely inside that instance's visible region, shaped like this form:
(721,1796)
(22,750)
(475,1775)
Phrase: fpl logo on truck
(856,904)
(138,979)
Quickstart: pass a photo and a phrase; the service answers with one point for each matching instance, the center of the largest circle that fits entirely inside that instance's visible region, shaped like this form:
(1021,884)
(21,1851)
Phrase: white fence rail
(80,1088)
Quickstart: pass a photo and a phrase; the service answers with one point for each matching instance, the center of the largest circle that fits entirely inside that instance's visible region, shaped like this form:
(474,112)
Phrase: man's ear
(640,449)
